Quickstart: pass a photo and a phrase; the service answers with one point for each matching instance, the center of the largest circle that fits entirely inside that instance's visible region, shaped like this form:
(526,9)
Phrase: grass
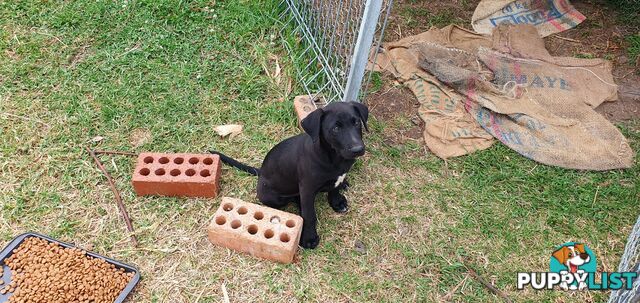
(627,11)
(159,75)
(634,47)
(420,16)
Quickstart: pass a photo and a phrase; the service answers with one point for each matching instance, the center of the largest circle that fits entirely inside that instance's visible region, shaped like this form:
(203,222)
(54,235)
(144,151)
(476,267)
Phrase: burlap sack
(509,86)
(449,131)
(548,16)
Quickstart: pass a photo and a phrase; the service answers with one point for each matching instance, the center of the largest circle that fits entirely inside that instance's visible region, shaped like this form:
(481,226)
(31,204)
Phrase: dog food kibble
(42,271)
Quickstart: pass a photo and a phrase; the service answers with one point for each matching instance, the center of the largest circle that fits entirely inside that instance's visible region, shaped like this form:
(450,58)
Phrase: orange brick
(304,105)
(258,230)
(188,175)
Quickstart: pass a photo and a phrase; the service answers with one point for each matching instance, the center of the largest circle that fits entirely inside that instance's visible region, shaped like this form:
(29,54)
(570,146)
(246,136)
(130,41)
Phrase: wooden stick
(117,196)
(566,39)
(488,285)
(112,152)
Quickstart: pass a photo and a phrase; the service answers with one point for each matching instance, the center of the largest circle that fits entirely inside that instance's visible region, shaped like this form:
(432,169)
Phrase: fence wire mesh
(329,39)
(630,263)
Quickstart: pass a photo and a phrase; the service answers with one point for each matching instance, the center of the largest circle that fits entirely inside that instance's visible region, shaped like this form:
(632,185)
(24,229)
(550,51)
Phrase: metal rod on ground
(111,152)
(362,49)
(116,193)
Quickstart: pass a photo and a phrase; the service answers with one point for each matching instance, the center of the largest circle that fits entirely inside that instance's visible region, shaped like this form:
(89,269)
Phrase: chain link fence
(629,262)
(332,44)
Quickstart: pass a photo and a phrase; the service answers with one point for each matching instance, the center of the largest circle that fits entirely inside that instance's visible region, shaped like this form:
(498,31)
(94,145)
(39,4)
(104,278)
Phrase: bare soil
(398,106)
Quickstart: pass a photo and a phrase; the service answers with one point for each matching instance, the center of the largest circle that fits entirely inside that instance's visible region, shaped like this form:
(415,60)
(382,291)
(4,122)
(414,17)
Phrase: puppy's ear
(311,124)
(363,112)
(580,248)
(562,254)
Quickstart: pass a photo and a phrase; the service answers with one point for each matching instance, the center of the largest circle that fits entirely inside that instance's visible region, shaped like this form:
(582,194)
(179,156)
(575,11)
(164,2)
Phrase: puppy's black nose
(584,256)
(357,149)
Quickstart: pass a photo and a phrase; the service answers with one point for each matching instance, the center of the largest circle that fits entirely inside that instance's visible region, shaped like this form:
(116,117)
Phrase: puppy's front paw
(310,242)
(339,204)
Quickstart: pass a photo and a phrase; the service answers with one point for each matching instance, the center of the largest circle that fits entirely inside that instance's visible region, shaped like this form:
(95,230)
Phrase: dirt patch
(396,105)
(628,105)
(78,55)
(139,137)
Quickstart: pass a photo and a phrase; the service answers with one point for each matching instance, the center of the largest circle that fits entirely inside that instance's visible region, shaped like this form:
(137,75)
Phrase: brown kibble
(44,271)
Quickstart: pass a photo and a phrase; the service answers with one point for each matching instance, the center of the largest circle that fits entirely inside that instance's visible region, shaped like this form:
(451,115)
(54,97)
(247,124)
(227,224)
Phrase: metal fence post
(336,37)
(362,48)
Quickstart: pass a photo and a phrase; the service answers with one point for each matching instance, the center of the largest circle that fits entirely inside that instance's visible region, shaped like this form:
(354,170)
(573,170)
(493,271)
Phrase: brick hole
(268,233)
(235,224)
(253,229)
(194,160)
(148,159)
(275,220)
(205,173)
(291,223)
(227,207)
(145,171)
(207,161)
(258,215)
(175,172)
(284,238)
(190,172)
(178,160)
(221,220)
(163,160)
(160,171)
(242,210)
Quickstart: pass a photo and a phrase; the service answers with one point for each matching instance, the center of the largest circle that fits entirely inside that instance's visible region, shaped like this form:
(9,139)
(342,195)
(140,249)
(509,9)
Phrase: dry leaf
(276,74)
(229,129)
(97,139)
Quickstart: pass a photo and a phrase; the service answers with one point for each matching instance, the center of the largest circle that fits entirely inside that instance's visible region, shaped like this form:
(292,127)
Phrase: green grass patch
(634,47)
(628,11)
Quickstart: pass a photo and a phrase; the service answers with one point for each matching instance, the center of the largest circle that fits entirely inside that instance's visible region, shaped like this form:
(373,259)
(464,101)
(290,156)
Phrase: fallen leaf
(229,129)
(97,139)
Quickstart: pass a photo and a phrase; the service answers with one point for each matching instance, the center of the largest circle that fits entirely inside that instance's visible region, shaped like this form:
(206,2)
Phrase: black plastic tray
(8,251)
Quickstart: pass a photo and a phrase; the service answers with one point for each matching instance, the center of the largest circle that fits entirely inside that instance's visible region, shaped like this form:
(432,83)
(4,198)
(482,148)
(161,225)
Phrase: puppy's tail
(237,164)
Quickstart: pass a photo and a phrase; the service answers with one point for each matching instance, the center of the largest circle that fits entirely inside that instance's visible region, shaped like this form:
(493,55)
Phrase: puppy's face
(574,256)
(339,125)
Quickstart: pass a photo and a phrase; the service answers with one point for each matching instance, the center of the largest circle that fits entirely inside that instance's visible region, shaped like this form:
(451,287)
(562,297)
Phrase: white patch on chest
(340,180)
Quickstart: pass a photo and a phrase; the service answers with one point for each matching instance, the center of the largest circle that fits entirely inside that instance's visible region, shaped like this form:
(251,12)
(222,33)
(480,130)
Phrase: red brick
(258,230)
(188,175)
(304,106)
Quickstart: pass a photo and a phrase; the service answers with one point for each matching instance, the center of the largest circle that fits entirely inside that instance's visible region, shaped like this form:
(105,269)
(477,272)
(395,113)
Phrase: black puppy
(301,166)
